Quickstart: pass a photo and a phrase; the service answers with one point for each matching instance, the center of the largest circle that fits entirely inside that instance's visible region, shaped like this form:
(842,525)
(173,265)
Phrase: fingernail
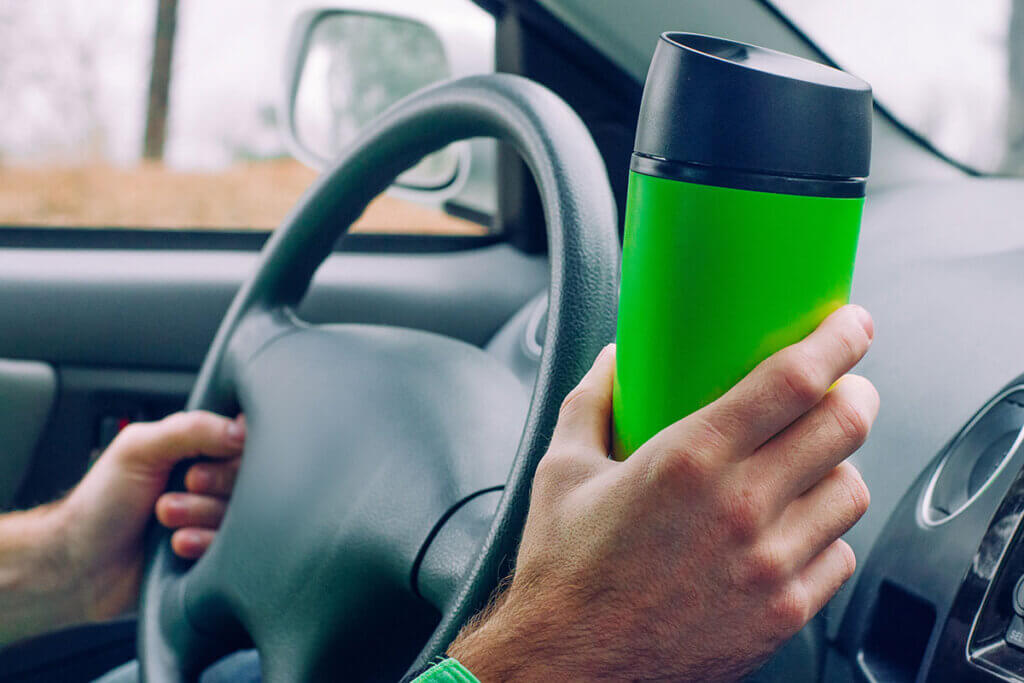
(191,538)
(605,351)
(173,502)
(865,321)
(236,433)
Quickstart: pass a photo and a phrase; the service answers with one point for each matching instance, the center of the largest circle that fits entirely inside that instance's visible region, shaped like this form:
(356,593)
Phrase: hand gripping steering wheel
(364,441)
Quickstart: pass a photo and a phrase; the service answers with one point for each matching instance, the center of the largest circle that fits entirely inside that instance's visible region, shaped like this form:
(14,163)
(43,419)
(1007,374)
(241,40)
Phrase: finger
(816,519)
(584,421)
(798,458)
(191,543)
(212,478)
(178,510)
(180,436)
(792,381)
(826,574)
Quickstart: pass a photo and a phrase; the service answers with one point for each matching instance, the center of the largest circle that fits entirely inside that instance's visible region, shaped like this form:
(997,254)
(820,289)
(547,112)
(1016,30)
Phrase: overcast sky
(940,65)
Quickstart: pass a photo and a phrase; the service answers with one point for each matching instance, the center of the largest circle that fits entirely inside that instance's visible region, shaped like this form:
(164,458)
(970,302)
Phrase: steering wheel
(365,442)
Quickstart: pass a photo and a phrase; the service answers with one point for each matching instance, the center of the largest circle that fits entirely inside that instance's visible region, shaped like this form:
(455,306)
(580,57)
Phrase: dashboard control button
(1018,597)
(1015,632)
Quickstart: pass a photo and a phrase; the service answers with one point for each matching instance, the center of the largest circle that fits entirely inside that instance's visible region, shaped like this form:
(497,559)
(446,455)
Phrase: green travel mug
(746,187)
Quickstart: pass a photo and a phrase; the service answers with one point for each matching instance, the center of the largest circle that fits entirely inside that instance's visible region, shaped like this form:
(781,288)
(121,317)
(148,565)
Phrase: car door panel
(27,391)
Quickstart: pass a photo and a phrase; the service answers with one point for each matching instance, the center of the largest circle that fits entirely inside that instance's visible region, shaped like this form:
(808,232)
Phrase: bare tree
(160,79)
(52,80)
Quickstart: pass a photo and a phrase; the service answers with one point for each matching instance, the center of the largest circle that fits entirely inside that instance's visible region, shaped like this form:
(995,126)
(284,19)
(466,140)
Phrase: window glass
(952,71)
(86,139)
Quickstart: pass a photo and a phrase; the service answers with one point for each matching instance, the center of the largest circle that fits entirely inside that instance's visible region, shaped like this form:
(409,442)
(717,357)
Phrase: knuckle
(707,433)
(164,511)
(679,467)
(741,517)
(850,421)
(183,432)
(185,421)
(574,403)
(553,470)
(852,341)
(765,566)
(131,438)
(800,377)
(854,489)
(789,609)
(132,432)
(847,560)
(548,468)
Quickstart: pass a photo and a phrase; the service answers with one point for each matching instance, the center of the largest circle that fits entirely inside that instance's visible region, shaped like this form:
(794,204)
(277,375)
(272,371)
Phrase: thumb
(160,445)
(584,421)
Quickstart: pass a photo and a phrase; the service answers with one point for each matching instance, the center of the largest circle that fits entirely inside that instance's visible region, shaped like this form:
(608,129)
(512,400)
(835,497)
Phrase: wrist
(106,579)
(36,543)
(508,642)
(38,587)
(56,566)
(448,670)
(484,649)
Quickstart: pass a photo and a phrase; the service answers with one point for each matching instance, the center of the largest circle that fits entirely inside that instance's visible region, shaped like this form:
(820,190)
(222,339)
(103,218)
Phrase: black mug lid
(717,103)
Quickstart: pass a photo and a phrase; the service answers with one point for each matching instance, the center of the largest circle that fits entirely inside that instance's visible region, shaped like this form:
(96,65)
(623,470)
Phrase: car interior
(468,343)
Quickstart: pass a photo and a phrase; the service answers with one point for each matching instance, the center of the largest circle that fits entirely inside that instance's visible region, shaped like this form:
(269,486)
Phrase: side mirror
(346,67)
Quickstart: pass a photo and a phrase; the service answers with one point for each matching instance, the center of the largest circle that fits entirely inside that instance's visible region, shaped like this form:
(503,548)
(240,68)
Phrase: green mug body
(745,194)
(715,280)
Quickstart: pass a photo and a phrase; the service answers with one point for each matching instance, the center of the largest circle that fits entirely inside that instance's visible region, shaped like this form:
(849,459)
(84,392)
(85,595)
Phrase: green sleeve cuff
(448,671)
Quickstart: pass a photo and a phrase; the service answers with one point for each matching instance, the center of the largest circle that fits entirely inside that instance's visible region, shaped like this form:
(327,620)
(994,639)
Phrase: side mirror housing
(344,67)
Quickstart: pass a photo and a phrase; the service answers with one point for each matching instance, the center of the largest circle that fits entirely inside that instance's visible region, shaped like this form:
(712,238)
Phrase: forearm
(38,589)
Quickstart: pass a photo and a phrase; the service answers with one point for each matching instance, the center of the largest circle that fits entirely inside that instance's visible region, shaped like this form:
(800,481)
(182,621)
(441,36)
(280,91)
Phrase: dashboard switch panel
(1015,632)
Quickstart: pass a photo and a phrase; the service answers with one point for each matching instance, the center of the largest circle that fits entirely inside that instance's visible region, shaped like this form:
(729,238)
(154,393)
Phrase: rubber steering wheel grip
(583,250)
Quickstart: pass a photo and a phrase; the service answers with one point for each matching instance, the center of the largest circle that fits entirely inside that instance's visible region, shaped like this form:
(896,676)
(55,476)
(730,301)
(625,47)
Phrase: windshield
(951,71)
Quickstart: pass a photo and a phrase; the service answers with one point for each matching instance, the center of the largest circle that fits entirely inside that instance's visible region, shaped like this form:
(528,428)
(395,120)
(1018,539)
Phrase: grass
(255,195)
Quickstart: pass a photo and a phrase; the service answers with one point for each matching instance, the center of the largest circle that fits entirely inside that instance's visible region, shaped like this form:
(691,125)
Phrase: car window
(165,114)
(952,71)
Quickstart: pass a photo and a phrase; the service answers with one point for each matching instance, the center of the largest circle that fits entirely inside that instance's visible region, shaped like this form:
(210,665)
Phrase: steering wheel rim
(583,251)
